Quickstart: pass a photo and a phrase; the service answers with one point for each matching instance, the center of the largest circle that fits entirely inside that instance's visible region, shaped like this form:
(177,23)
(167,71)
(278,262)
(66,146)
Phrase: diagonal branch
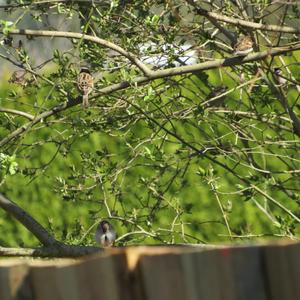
(79,36)
(51,247)
(243,23)
(226,62)
(30,223)
(281,97)
(232,61)
(17,112)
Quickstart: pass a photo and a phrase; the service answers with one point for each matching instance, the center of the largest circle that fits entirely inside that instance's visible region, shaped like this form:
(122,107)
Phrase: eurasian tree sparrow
(219,101)
(85,84)
(243,46)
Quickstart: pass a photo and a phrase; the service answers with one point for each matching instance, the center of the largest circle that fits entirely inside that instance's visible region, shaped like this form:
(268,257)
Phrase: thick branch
(243,23)
(75,251)
(227,62)
(17,112)
(31,224)
(52,251)
(36,3)
(79,36)
(237,60)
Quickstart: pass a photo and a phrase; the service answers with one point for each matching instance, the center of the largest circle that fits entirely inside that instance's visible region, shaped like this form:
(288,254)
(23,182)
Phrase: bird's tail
(85,100)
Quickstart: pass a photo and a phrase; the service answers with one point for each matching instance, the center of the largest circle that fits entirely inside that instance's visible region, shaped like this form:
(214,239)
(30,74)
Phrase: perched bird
(85,84)
(18,77)
(219,101)
(277,73)
(105,234)
(243,46)
(8,41)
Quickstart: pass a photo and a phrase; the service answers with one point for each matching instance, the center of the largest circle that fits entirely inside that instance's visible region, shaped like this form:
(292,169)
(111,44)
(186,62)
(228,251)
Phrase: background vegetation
(150,156)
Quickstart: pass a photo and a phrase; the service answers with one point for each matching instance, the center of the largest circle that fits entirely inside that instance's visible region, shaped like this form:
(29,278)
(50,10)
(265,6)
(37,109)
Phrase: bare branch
(275,202)
(227,62)
(31,224)
(36,3)
(279,94)
(79,36)
(237,60)
(243,23)
(52,251)
(77,251)
(17,112)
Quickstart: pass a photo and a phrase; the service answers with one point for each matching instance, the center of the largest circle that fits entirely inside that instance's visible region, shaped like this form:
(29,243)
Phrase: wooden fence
(153,273)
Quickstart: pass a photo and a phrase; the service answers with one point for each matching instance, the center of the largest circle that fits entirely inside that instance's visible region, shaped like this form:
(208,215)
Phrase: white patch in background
(184,55)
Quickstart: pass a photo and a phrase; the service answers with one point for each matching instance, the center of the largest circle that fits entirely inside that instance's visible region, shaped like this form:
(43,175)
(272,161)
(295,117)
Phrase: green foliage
(8,164)
(6,26)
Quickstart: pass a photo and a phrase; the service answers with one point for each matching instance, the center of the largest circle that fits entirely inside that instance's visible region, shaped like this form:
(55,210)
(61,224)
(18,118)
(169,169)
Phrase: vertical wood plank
(248,273)
(201,278)
(293,258)
(97,278)
(278,273)
(43,281)
(161,277)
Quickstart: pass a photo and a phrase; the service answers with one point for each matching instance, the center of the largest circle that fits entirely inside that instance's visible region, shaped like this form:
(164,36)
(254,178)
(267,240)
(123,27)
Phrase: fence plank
(279,272)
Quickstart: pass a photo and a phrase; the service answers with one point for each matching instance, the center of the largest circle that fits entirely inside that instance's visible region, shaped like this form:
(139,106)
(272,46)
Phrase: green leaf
(6,26)
(13,168)
(8,163)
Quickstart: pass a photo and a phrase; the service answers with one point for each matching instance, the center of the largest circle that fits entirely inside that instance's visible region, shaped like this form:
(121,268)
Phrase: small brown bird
(216,93)
(243,46)
(85,84)
(18,77)
(278,76)
(105,234)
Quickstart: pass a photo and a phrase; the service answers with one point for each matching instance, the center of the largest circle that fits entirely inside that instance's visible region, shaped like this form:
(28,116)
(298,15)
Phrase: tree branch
(236,60)
(281,97)
(243,23)
(53,248)
(24,67)
(36,3)
(31,224)
(17,112)
(226,62)
(52,251)
(79,36)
